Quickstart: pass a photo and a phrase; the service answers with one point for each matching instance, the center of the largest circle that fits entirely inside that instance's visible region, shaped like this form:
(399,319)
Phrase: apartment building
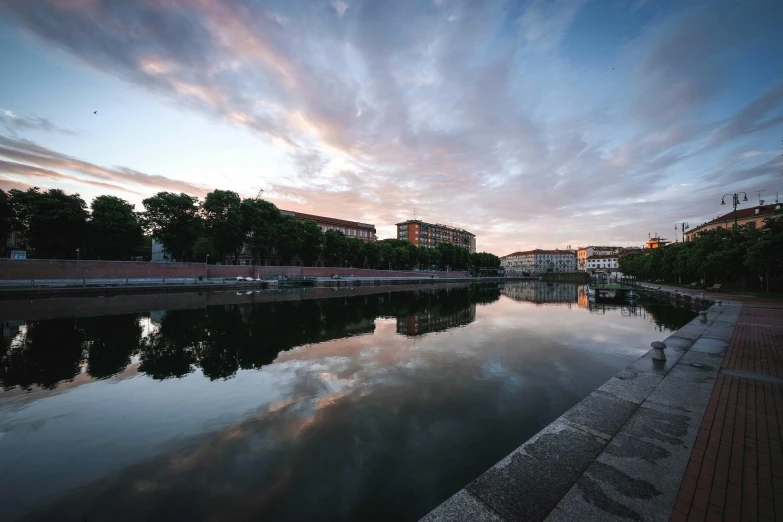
(582,253)
(431,235)
(753,217)
(355,229)
(539,261)
(607,262)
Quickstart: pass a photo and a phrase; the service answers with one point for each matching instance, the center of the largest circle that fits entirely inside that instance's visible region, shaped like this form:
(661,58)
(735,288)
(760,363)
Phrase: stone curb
(621,452)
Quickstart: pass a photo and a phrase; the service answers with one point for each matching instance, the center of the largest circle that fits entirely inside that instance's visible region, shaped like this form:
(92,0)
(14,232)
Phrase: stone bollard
(703,316)
(658,354)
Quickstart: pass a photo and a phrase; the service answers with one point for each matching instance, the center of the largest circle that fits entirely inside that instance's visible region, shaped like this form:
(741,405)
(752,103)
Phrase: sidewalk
(736,467)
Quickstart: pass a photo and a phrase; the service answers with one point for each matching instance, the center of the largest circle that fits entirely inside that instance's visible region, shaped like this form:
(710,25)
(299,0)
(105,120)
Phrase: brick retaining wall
(39,269)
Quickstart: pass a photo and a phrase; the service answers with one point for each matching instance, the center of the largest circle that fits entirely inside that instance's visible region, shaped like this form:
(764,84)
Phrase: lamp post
(735,201)
(684,227)
(77,254)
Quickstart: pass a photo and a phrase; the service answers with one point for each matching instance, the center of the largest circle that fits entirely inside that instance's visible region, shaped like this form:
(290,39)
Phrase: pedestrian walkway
(736,466)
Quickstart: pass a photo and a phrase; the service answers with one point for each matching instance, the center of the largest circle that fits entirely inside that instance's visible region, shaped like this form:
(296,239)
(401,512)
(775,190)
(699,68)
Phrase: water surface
(363,405)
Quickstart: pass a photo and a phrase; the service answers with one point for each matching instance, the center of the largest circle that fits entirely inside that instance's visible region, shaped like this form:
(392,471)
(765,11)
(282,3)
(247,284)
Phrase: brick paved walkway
(736,467)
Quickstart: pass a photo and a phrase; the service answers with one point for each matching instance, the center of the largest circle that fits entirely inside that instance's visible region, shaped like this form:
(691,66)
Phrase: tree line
(219,229)
(746,257)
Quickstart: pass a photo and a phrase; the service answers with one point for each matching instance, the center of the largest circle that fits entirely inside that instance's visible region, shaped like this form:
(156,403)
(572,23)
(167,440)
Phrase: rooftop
(742,213)
(447,227)
(539,251)
(329,220)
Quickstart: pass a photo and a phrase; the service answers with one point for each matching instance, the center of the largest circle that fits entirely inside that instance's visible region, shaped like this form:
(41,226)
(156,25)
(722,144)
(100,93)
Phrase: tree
(223,222)
(766,255)
(260,220)
(55,223)
(290,237)
(6,219)
(115,231)
(335,248)
(173,220)
(312,242)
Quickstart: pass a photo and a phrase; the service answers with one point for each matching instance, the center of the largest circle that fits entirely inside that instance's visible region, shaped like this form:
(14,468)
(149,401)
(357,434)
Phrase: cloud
(480,113)
(14,123)
(25,158)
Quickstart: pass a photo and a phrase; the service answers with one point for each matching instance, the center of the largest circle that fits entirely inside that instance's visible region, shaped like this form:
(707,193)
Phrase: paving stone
(631,385)
(719,331)
(462,507)
(710,345)
(601,413)
(680,344)
(527,484)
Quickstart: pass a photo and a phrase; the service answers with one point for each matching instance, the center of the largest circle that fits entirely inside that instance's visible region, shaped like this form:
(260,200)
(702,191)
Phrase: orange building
(431,235)
(753,217)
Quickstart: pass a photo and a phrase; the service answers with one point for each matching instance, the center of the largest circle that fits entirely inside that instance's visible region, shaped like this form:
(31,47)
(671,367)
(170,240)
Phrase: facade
(355,229)
(158,254)
(583,253)
(538,261)
(753,217)
(431,235)
(607,262)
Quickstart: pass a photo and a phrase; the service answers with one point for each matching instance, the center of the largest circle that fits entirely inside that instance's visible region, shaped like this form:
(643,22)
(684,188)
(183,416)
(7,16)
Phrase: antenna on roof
(414,213)
(758,192)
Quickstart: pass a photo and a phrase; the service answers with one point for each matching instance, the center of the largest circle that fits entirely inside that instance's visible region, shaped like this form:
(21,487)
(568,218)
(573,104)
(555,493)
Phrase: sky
(532,124)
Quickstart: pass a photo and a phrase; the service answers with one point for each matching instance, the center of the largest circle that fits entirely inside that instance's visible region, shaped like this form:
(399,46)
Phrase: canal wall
(619,454)
(87,306)
(48,269)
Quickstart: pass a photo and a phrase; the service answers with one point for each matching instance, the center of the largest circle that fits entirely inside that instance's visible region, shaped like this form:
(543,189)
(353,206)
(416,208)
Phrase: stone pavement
(736,467)
(621,453)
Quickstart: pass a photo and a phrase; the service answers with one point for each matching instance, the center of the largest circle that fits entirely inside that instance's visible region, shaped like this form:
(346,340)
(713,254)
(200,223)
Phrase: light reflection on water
(367,407)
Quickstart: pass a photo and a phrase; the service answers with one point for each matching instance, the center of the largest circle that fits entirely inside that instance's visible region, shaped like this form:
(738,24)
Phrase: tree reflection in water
(218,340)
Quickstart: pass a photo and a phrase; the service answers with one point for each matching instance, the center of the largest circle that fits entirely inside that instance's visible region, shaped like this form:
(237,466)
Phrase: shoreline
(622,451)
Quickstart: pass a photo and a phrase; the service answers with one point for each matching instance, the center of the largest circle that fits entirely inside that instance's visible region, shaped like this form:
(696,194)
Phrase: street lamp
(206,261)
(735,201)
(77,254)
(684,227)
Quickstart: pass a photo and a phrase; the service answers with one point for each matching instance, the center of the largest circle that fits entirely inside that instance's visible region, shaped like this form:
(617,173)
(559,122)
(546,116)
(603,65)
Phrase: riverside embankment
(623,451)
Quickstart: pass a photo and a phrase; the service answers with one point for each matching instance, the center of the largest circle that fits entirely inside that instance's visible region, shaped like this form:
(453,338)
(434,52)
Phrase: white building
(159,255)
(608,263)
(537,261)
(583,253)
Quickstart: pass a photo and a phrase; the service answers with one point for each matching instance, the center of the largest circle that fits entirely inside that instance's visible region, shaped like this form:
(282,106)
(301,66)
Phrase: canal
(317,404)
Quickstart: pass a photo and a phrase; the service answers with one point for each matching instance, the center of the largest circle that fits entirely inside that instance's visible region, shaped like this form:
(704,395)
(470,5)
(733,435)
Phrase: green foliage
(115,231)
(335,248)
(260,220)
(6,220)
(484,260)
(54,223)
(290,239)
(312,242)
(202,248)
(221,211)
(743,256)
(173,220)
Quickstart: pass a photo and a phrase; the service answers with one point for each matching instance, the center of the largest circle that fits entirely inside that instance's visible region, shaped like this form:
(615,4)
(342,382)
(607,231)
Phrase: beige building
(753,217)
(538,261)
